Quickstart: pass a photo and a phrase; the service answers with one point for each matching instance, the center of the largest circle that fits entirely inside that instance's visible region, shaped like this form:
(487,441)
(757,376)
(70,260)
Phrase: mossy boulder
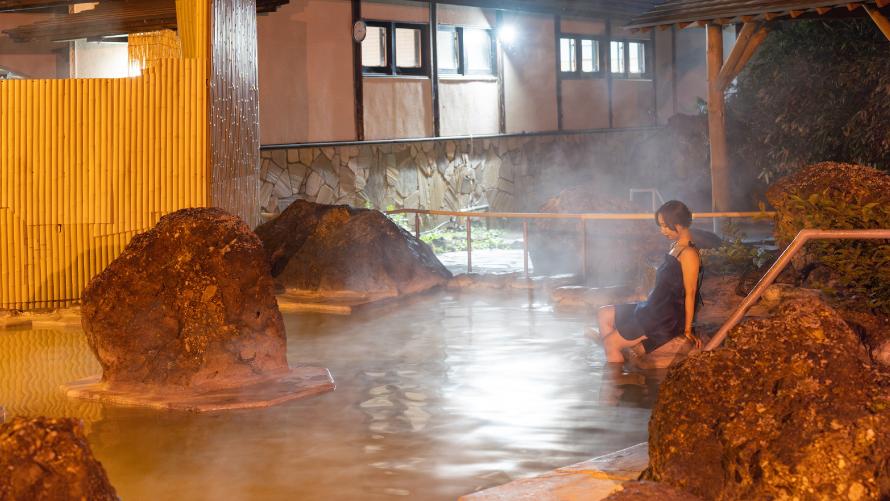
(791,407)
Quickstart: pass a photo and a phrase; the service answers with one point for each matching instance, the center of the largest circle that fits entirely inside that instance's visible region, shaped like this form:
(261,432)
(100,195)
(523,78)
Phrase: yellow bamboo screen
(144,49)
(85,164)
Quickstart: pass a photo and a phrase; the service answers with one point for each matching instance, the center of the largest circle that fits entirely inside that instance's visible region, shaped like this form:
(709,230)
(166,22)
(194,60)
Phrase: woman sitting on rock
(670,307)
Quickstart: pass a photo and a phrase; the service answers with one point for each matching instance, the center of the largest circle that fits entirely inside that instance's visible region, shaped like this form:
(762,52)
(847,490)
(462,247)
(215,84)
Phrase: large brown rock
(789,408)
(338,248)
(188,303)
(647,491)
(49,459)
(850,183)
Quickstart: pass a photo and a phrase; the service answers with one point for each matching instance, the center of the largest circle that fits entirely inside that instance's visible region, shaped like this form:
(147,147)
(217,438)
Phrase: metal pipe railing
(802,237)
(525,216)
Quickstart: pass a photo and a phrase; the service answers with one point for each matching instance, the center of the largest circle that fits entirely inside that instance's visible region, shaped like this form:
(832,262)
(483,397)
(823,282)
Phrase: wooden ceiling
(683,13)
(108,18)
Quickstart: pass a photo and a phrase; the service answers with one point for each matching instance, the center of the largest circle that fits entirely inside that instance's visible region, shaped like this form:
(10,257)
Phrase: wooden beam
(748,30)
(716,124)
(823,10)
(748,19)
(880,20)
(728,73)
(883,3)
(683,26)
(769,16)
(852,6)
(796,13)
(358,81)
(701,24)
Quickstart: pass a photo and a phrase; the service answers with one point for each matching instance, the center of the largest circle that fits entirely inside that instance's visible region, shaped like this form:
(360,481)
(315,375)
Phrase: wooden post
(469,246)
(880,20)
(716,127)
(525,247)
(584,250)
(417,224)
(358,85)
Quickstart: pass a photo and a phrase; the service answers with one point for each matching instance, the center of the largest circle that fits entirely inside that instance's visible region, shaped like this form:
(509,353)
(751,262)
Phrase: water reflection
(436,397)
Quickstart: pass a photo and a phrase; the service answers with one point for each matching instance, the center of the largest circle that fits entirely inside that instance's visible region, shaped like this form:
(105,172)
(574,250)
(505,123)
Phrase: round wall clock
(359,31)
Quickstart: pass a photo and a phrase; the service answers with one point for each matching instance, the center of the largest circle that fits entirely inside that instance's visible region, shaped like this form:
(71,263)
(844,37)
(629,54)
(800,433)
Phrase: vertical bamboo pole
(716,124)
(469,246)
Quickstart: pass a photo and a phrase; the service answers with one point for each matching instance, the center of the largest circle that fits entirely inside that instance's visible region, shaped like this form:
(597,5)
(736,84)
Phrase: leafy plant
(861,267)
(815,90)
(733,256)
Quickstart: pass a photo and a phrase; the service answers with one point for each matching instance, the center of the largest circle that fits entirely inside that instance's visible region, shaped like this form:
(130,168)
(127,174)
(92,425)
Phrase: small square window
(477,45)
(567,58)
(590,56)
(616,57)
(408,48)
(448,45)
(374,47)
(636,52)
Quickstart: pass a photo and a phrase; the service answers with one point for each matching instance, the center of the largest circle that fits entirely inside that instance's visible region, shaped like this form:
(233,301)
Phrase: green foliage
(815,90)
(445,240)
(733,256)
(862,267)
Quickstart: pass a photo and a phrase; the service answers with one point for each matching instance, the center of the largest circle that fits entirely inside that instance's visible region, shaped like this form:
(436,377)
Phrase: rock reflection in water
(437,396)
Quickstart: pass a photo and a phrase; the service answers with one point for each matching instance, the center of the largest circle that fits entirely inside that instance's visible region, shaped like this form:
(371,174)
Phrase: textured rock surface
(647,491)
(338,248)
(49,459)
(188,303)
(790,407)
(841,181)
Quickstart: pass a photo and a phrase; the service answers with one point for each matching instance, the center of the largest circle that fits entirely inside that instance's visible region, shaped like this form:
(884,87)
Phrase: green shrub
(862,267)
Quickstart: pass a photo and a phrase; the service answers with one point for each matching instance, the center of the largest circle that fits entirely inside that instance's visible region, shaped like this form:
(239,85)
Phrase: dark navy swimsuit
(662,316)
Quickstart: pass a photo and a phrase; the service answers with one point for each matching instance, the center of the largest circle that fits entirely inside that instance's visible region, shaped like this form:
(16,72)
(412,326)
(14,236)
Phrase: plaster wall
(305,72)
(691,69)
(632,103)
(466,16)
(468,107)
(530,74)
(575,26)
(395,10)
(664,75)
(397,108)
(585,103)
(32,59)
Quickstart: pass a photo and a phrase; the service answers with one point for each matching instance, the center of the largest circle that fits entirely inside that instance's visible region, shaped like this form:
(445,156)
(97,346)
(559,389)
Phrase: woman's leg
(614,343)
(605,316)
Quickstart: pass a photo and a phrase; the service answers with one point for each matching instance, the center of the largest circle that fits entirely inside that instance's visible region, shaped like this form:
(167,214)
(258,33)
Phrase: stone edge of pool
(590,480)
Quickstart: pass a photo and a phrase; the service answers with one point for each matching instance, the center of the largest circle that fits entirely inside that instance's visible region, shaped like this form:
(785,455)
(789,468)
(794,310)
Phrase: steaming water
(436,397)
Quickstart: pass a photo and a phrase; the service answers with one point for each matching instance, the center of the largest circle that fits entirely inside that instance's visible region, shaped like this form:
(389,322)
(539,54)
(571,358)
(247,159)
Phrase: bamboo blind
(85,164)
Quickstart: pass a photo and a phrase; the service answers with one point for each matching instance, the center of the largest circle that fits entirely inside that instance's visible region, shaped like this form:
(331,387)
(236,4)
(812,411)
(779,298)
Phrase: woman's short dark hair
(674,212)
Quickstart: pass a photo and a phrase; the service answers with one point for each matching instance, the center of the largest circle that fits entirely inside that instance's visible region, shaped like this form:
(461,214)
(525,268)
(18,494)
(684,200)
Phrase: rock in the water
(647,491)
(617,251)
(188,303)
(789,408)
(49,459)
(338,248)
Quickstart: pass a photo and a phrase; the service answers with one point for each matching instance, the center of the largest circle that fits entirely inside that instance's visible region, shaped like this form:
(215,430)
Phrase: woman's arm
(689,263)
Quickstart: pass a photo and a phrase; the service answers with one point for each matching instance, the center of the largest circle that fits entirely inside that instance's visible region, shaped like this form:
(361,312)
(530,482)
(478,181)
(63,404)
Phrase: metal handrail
(802,237)
(525,216)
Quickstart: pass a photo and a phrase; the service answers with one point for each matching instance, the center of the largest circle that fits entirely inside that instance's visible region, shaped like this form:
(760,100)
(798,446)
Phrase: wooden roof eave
(701,12)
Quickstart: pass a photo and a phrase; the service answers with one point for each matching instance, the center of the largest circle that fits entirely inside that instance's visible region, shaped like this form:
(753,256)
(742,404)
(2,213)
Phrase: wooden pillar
(720,196)
(879,19)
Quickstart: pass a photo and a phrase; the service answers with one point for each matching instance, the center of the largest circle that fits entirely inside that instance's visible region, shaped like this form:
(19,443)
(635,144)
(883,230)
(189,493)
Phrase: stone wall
(515,173)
